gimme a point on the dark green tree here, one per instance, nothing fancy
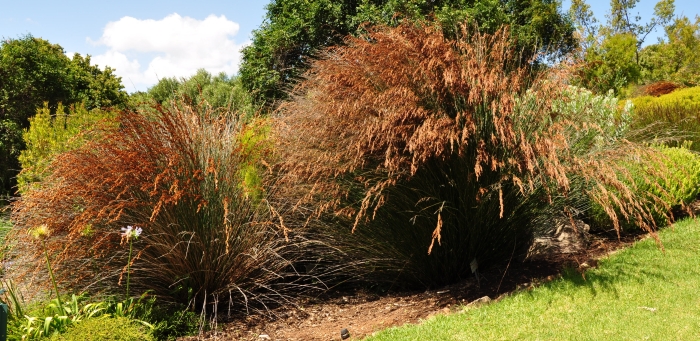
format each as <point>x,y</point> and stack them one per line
<point>34,71</point>
<point>294,30</point>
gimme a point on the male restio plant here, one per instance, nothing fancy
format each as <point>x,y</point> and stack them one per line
<point>425,153</point>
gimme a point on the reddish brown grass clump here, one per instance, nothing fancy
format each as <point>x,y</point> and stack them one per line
<point>182,175</point>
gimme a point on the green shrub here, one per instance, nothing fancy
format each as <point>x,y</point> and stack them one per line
<point>582,105</point>
<point>49,136</point>
<point>173,324</point>
<point>671,118</point>
<point>105,329</point>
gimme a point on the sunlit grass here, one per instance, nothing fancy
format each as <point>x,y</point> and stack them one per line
<point>640,293</point>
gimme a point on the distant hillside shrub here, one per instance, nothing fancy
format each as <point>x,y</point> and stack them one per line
<point>658,88</point>
<point>422,155</point>
<point>219,92</point>
<point>684,97</point>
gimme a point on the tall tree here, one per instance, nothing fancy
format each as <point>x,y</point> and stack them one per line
<point>34,71</point>
<point>621,19</point>
<point>294,30</point>
<point>678,57</point>
<point>585,21</point>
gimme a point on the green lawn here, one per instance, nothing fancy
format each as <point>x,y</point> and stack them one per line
<point>638,293</point>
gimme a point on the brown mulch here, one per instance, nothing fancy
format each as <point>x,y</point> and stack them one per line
<point>363,312</point>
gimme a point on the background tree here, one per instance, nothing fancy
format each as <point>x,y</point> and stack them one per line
<point>678,58</point>
<point>622,20</point>
<point>34,71</point>
<point>294,30</point>
<point>217,92</point>
<point>586,23</point>
<point>611,52</point>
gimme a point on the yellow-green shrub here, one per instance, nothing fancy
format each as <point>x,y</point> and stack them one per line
<point>684,97</point>
<point>105,329</point>
<point>49,135</point>
<point>674,117</point>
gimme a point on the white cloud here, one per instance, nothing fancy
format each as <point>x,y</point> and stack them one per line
<point>174,46</point>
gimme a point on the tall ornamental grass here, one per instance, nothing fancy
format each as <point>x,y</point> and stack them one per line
<point>191,178</point>
<point>433,157</point>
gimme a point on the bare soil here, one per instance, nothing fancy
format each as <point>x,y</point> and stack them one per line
<point>363,312</point>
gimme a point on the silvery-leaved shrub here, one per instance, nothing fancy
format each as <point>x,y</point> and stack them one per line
<point>604,110</point>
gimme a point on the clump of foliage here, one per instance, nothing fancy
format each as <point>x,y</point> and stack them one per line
<point>49,136</point>
<point>435,153</point>
<point>688,97</point>
<point>188,176</point>
<point>294,31</point>
<point>34,71</point>
<point>42,320</point>
<point>106,329</point>
<point>657,89</point>
<point>612,117</point>
<point>674,117</point>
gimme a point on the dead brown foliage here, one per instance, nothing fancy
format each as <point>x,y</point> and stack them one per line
<point>659,88</point>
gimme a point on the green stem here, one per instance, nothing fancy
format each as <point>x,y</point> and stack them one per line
<point>128,268</point>
<point>53,279</point>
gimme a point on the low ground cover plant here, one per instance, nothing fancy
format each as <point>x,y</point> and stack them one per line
<point>673,179</point>
<point>106,329</point>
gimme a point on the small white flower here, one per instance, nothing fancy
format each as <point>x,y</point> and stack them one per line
<point>131,232</point>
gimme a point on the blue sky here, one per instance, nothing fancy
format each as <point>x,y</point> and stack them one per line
<point>147,40</point>
<point>162,39</point>
<point>645,9</point>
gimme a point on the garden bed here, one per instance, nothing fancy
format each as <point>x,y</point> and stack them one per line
<point>364,312</point>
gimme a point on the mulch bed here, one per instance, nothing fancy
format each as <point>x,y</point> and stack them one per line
<point>363,312</point>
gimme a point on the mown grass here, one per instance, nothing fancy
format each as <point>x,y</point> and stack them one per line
<point>639,293</point>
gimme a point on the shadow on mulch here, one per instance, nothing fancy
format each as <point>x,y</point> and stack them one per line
<point>364,312</point>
